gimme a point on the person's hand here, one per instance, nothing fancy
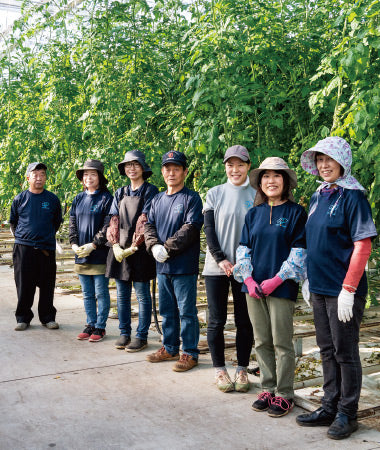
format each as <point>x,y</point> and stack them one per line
<point>345,304</point>
<point>129,251</point>
<point>118,252</point>
<point>268,286</point>
<point>306,292</point>
<point>226,266</point>
<point>159,253</point>
<point>254,290</point>
<point>74,248</point>
<point>85,250</point>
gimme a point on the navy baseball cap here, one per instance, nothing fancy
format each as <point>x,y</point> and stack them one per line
<point>35,166</point>
<point>174,157</point>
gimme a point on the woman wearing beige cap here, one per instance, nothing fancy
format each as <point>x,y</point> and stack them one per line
<point>270,261</point>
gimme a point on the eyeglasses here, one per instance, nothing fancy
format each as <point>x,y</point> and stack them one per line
<point>130,165</point>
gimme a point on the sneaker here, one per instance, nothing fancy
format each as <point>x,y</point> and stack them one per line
<point>86,333</point>
<point>136,345</point>
<point>97,335</point>
<point>123,341</point>
<point>241,381</point>
<point>52,325</point>
<point>263,401</point>
<point>185,362</point>
<point>224,382</point>
<point>21,326</point>
<point>280,406</point>
<point>161,355</point>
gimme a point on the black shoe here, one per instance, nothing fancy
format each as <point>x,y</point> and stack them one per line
<point>263,401</point>
<point>317,418</point>
<point>280,406</point>
<point>342,427</point>
<point>122,342</point>
<point>136,345</point>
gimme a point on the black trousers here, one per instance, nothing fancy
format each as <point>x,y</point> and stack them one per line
<point>34,267</point>
<point>217,288</point>
<point>339,347</point>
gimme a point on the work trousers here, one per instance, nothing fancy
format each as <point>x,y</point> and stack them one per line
<point>339,347</point>
<point>272,320</point>
<point>34,268</point>
<point>217,289</point>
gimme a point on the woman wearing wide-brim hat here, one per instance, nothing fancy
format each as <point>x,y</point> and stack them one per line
<point>128,261</point>
<point>270,260</point>
<point>88,215</point>
<point>339,230</point>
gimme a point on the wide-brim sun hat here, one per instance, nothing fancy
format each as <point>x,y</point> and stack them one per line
<point>92,164</point>
<point>138,156</point>
<point>272,163</point>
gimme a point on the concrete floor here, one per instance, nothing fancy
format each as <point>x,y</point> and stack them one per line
<point>58,392</point>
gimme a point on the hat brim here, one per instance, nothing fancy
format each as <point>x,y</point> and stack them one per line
<point>147,171</point>
<point>255,174</point>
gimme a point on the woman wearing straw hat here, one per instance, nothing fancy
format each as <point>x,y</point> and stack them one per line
<point>338,235</point>
<point>87,217</point>
<point>224,211</point>
<point>270,260</point>
<point>128,261</point>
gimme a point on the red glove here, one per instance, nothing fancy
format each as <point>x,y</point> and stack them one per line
<point>268,286</point>
<point>254,289</point>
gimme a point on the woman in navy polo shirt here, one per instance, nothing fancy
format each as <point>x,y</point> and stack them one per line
<point>87,217</point>
<point>338,234</point>
<point>270,261</point>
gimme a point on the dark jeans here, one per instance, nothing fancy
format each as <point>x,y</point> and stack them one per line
<point>339,346</point>
<point>217,288</point>
<point>32,268</point>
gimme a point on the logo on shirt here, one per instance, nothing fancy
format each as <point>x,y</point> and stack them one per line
<point>178,208</point>
<point>45,205</point>
<point>94,208</point>
<point>248,204</point>
<point>281,222</point>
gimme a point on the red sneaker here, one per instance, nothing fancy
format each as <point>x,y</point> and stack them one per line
<point>86,333</point>
<point>97,335</point>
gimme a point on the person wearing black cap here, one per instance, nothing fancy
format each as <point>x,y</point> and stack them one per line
<point>88,213</point>
<point>172,235</point>
<point>128,261</point>
<point>224,213</point>
<point>36,216</point>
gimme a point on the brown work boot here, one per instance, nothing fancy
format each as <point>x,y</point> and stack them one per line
<point>186,362</point>
<point>161,355</point>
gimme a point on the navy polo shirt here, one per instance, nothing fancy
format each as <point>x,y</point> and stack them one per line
<point>36,218</point>
<point>168,213</point>
<point>270,243</point>
<point>90,211</point>
<point>336,220</point>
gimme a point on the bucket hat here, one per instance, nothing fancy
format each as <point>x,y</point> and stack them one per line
<point>237,151</point>
<point>135,155</point>
<point>92,164</point>
<point>35,166</point>
<point>272,163</point>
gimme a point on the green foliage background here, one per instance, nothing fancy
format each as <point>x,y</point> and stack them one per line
<point>109,76</point>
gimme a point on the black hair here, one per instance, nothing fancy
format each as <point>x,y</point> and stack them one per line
<point>286,187</point>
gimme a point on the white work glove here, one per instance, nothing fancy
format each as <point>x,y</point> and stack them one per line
<point>345,304</point>
<point>75,247</point>
<point>306,292</point>
<point>118,252</point>
<point>85,250</point>
<point>159,253</point>
<point>129,251</point>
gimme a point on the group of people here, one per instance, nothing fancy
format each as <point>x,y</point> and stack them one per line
<point>259,242</point>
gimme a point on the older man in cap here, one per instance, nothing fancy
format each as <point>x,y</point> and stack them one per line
<point>35,218</point>
<point>172,235</point>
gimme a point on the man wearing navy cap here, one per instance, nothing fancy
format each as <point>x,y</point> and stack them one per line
<point>172,235</point>
<point>35,218</point>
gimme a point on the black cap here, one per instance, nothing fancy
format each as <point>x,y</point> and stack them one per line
<point>35,166</point>
<point>138,156</point>
<point>174,157</point>
<point>92,164</point>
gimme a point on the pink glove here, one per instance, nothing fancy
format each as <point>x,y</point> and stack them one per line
<point>254,289</point>
<point>268,286</point>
